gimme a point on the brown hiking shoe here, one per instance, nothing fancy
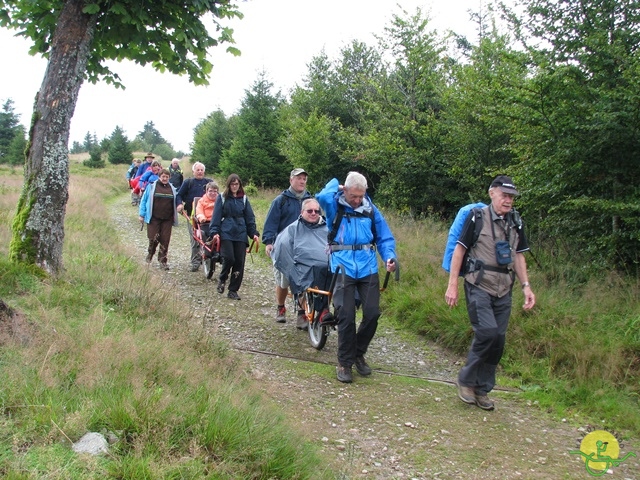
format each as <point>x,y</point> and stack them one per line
<point>466,394</point>
<point>485,402</point>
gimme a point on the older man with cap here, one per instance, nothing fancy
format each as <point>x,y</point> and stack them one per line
<point>495,257</point>
<point>146,165</point>
<point>284,210</point>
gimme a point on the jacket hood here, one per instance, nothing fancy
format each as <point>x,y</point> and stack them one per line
<point>364,208</point>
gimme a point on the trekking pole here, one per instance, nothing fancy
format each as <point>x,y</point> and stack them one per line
<point>535,259</point>
<point>250,249</point>
<point>388,275</point>
<point>386,282</point>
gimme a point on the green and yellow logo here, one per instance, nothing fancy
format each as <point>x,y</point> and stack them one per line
<point>600,451</point>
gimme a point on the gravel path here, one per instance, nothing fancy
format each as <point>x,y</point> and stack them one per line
<point>404,421</point>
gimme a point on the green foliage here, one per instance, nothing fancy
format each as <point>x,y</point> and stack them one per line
<point>211,138</point>
<point>165,35</point>
<point>404,149</point>
<point>253,154</point>
<point>95,160</point>
<point>576,140</point>
<point>10,128</point>
<point>151,140</point>
<point>17,147</point>
<point>76,148</point>
<point>90,142</point>
<point>250,189</point>
<point>307,144</point>
<point>119,149</point>
<point>476,116</point>
<point>150,137</point>
<point>166,151</point>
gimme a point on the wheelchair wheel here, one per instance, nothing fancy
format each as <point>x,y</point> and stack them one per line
<point>318,334</point>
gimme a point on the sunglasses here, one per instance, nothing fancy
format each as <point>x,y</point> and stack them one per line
<point>310,211</point>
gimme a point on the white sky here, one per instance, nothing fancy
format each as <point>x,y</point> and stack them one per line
<point>277,36</point>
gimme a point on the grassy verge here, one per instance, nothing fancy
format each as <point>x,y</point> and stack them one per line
<point>105,348</point>
<point>576,354</point>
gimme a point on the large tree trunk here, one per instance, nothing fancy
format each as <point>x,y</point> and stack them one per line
<point>38,227</point>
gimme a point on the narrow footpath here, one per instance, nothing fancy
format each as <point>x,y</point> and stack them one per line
<point>403,422</point>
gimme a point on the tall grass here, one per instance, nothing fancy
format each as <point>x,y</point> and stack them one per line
<point>576,353</point>
<point>105,348</point>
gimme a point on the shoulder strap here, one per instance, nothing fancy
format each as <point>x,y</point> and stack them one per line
<point>336,224</point>
<point>283,199</point>
<point>341,212</point>
<point>477,224</point>
<point>244,199</point>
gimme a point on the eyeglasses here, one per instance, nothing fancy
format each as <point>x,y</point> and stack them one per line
<point>310,211</point>
<point>234,183</point>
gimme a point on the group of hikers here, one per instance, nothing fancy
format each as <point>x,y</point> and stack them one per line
<point>140,174</point>
<point>338,232</point>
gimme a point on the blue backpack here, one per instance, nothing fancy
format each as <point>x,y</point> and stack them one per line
<point>456,230</point>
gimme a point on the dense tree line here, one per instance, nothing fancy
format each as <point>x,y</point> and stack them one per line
<point>119,148</point>
<point>431,118</point>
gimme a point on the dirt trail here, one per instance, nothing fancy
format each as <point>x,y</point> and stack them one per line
<point>405,421</point>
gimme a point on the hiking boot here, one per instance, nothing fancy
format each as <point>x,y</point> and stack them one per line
<point>164,266</point>
<point>281,315</point>
<point>220,287</point>
<point>233,295</point>
<point>344,374</point>
<point>301,322</point>
<point>485,402</point>
<point>361,366</point>
<point>194,268</point>
<point>149,258</point>
<point>466,394</point>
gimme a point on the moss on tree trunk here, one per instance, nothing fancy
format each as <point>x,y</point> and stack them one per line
<point>38,227</point>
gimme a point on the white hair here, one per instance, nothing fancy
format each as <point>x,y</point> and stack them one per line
<point>357,180</point>
<point>197,164</point>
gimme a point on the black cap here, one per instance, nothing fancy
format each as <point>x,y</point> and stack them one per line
<point>505,184</point>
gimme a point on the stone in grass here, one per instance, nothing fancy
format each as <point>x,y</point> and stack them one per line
<point>93,443</point>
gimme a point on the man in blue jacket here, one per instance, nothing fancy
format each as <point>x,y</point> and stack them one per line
<point>358,229</point>
<point>284,210</point>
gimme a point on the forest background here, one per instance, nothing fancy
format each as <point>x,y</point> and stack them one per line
<point>430,119</point>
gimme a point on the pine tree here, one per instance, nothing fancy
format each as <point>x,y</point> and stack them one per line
<point>16,150</point>
<point>9,122</point>
<point>119,149</point>
<point>95,160</point>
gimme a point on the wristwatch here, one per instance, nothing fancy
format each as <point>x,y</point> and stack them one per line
<point>526,284</point>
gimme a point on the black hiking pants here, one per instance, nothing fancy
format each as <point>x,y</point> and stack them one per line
<point>489,318</point>
<point>354,342</point>
<point>233,256</point>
